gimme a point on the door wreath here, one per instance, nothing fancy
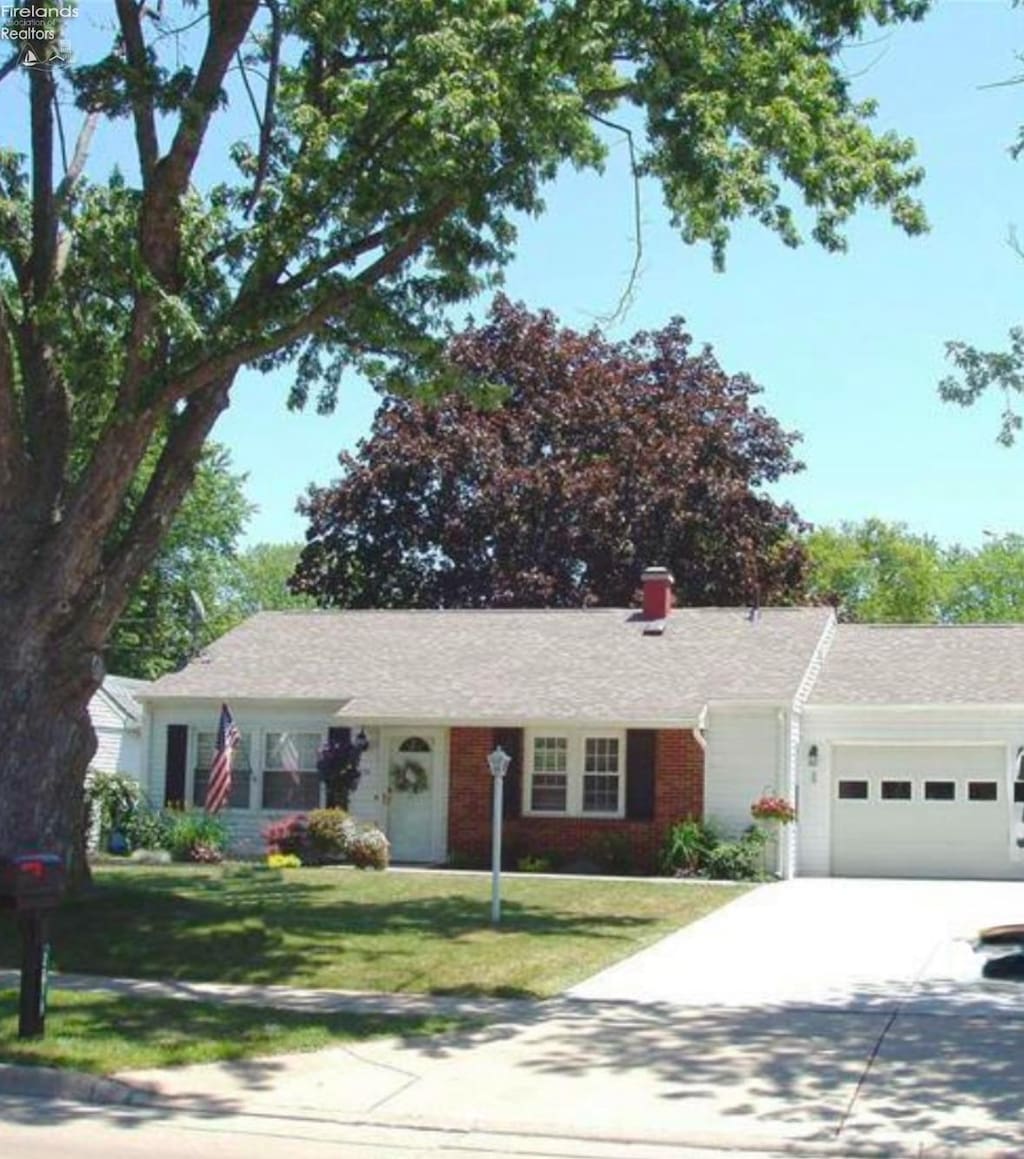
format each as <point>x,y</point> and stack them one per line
<point>409,777</point>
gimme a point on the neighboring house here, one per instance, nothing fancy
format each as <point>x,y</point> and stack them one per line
<point>116,717</point>
<point>618,722</point>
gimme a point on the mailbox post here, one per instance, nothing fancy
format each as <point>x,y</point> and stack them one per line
<point>32,884</point>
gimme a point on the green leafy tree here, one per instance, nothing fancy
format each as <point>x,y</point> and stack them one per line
<point>882,572</point>
<point>877,572</point>
<point>187,597</point>
<point>393,145</point>
<point>986,585</point>
<point>260,582</point>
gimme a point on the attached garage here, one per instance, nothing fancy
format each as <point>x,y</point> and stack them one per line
<point>910,758</point>
<point>920,811</point>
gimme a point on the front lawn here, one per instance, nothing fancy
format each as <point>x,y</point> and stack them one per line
<point>106,1033</point>
<point>350,930</point>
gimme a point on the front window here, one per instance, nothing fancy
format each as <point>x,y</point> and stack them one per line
<point>241,770</point>
<point>290,777</point>
<point>601,775</point>
<point>550,774</point>
<point>573,774</point>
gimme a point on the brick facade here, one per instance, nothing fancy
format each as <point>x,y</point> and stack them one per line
<point>678,792</point>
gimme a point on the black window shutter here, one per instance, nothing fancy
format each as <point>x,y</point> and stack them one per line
<point>511,740</point>
<point>640,744</point>
<point>174,767</point>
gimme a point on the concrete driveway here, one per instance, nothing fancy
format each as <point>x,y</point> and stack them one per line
<point>832,944</point>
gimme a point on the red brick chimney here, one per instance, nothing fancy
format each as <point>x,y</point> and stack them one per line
<point>657,583</point>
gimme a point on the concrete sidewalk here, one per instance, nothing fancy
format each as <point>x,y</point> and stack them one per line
<point>812,1081</point>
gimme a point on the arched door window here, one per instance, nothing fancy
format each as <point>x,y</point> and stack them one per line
<point>415,744</point>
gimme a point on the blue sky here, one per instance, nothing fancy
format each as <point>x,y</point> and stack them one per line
<point>849,348</point>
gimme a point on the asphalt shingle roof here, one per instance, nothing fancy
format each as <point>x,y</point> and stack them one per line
<point>923,664</point>
<point>123,691</point>
<point>504,666</point>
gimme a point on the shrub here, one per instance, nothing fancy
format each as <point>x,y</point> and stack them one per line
<point>687,847</point>
<point>112,798</point>
<point>612,853</point>
<point>328,834</point>
<point>368,848</point>
<point>197,836</point>
<point>283,861</point>
<point>530,864</point>
<point>289,835</point>
<point>149,828</point>
<point>741,860</point>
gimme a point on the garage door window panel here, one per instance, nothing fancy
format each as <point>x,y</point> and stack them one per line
<point>852,791</point>
<point>940,790</point>
<point>983,791</point>
<point>897,791</point>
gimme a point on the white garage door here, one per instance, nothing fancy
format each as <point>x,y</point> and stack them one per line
<point>918,811</point>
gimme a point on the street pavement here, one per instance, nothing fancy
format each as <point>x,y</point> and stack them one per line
<point>811,1017</point>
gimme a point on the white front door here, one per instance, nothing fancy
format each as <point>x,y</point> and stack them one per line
<point>413,768</point>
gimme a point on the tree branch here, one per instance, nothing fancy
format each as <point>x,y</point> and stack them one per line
<point>626,297</point>
<point>168,486</point>
<point>12,448</point>
<point>229,22</point>
<point>44,208</point>
<point>332,304</point>
<point>9,65</point>
<point>67,185</point>
<point>129,16</point>
<point>269,106</point>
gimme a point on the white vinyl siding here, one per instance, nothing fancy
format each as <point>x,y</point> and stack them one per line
<point>745,758</point>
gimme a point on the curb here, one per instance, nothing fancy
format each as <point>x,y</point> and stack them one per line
<point>76,1086</point>
<point>47,1082</point>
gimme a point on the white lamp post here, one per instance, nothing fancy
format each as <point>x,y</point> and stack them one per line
<point>498,763</point>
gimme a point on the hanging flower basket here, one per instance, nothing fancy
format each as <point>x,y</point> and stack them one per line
<point>409,777</point>
<point>770,808</point>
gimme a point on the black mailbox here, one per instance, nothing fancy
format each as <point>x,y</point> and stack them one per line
<point>32,884</point>
<point>32,881</point>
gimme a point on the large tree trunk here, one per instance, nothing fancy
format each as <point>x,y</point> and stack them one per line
<point>46,740</point>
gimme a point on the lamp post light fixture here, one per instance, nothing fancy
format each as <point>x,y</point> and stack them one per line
<point>498,762</point>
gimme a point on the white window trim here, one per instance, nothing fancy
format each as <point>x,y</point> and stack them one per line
<point>259,773</point>
<point>576,745</point>
<point>257,759</point>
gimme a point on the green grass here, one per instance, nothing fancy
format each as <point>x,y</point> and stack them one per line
<point>343,929</point>
<point>106,1033</point>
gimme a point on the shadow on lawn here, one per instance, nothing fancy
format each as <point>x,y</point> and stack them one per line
<point>257,927</point>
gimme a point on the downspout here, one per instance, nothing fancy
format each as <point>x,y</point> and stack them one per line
<point>700,728</point>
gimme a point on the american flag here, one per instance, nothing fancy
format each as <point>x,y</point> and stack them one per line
<point>218,787</point>
<point>289,754</point>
